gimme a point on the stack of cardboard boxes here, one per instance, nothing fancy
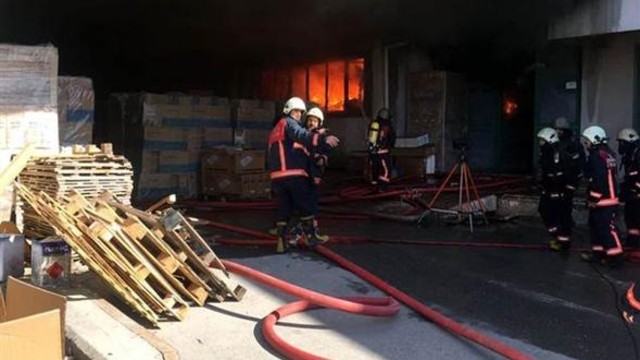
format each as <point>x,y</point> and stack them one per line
<point>254,120</point>
<point>163,136</point>
<point>234,172</point>
<point>28,105</point>
<point>75,110</point>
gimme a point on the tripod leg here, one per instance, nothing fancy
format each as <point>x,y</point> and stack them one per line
<point>460,189</point>
<point>444,184</point>
<point>475,192</point>
<point>465,170</point>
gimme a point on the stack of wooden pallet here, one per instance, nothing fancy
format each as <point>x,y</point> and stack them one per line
<point>155,263</point>
<point>88,170</point>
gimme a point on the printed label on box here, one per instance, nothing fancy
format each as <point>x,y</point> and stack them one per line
<point>212,159</point>
<point>224,183</point>
<point>246,160</point>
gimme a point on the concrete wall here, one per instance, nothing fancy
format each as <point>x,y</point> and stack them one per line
<point>402,61</point>
<point>608,82</point>
<point>594,17</point>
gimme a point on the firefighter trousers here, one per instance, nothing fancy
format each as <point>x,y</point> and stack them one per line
<point>603,231</point>
<point>380,168</point>
<point>556,216</point>
<point>293,194</point>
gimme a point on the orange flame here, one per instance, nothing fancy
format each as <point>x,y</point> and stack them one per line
<point>333,86</point>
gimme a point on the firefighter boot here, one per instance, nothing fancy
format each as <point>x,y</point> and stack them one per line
<point>311,235</point>
<point>282,246</point>
<point>273,231</point>
<point>593,256</point>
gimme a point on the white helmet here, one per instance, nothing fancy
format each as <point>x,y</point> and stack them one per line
<point>383,114</point>
<point>295,103</point>
<point>595,134</point>
<point>628,135</point>
<point>549,135</point>
<point>315,111</point>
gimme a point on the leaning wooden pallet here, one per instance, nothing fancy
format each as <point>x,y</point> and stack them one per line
<point>174,226</point>
<point>90,256</point>
<point>181,276</point>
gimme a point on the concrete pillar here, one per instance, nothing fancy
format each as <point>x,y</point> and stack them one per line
<point>378,82</point>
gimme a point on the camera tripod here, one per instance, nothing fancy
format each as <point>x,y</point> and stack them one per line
<point>466,186</point>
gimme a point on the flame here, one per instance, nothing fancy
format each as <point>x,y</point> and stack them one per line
<point>509,106</point>
<point>332,85</point>
<point>317,84</point>
<point>336,90</point>
<point>356,78</point>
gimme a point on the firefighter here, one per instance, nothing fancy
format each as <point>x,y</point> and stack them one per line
<point>314,119</point>
<point>289,171</point>
<point>381,138</point>
<point>602,199</point>
<point>558,181</point>
<point>318,160</point>
<point>628,148</point>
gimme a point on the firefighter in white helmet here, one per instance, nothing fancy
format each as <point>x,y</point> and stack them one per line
<point>558,182</point>
<point>289,171</point>
<point>602,199</point>
<point>381,138</point>
<point>629,149</point>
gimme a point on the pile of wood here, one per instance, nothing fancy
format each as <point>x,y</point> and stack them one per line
<point>156,263</point>
<point>88,170</point>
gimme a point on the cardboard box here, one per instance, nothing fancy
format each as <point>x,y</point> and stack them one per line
<point>11,251</point>
<point>252,185</point>
<point>75,110</point>
<point>29,76</point>
<point>153,186</point>
<point>177,162</point>
<point>233,160</point>
<point>256,138</point>
<point>19,126</point>
<point>217,137</point>
<point>31,322</point>
<point>160,139</point>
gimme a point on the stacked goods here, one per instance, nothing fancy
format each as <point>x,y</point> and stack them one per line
<point>437,106</point>
<point>88,173</point>
<point>163,136</point>
<point>254,120</point>
<point>235,172</point>
<point>155,263</point>
<point>75,110</point>
<point>28,102</point>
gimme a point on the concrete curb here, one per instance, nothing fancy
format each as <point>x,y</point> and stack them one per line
<point>96,330</point>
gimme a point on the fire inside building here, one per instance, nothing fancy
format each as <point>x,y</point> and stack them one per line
<point>400,179</point>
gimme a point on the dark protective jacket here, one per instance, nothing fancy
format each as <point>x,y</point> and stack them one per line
<point>559,178</point>
<point>283,159</point>
<point>575,150</point>
<point>381,136</point>
<point>631,164</point>
<point>602,176</point>
<point>317,158</point>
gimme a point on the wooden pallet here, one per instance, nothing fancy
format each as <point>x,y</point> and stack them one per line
<point>182,237</point>
<point>89,170</point>
<point>153,269</point>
